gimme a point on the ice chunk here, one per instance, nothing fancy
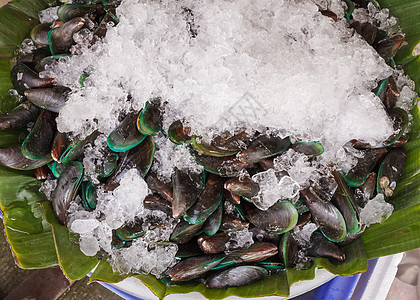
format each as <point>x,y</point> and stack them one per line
<point>303,235</point>
<point>84,226</point>
<point>48,15</point>
<point>376,210</point>
<point>288,188</point>
<point>269,192</point>
<point>239,240</point>
<point>88,245</point>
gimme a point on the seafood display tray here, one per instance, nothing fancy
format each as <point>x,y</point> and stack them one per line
<point>374,284</point>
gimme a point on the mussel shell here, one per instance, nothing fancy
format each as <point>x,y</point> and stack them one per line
<point>289,250</point>
<point>23,79</point>
<point>228,166</point>
<point>366,191</point>
<point>76,149</point>
<point>230,223</point>
<point>237,276</point>
<point>131,231</point>
<point>139,157</point>
<point>39,33</point>
<point>89,195</point>
<point>125,136</point>
<point>208,201</point>
<point>279,218</point>
<point>12,157</point>
<point>60,38</point>
<point>213,244</point>
<point>60,144</point>
<point>41,173</point>
<point>258,251</point>
<point>184,232</point>
<point>39,141</point>
<point>189,249</point>
<point>57,168</point>
<point>344,200</point>
<point>231,197</point>
<point>32,58</point>
<point>326,215</point>
<point>158,186</point>
<point>68,12</point>
<point>46,61</point>
<point>20,116</point>
<point>213,222</point>
<point>264,147</point>
<point>178,133</point>
<point>187,186</point>
<point>64,193</point>
<point>108,166</point>
<point>309,148</point>
<point>358,174</point>
<point>400,121</point>
<point>194,267</point>
<point>243,187</point>
<point>388,47</point>
<point>391,168</point>
<point>150,118</point>
<point>366,30</point>
<point>321,247</point>
<point>352,236</point>
<point>52,99</point>
<point>155,202</point>
<point>210,149</point>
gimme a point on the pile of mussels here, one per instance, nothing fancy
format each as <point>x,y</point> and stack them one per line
<point>198,199</point>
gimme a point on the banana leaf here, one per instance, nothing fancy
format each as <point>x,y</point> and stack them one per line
<point>36,244</point>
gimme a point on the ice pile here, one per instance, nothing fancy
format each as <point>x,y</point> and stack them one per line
<point>116,209</point>
<point>280,64</point>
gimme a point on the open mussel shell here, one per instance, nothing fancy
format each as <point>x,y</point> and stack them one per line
<point>209,199</point>
<point>150,118</point>
<point>184,232</point>
<point>188,250</point>
<point>125,136</point>
<point>358,174</point>
<point>89,195</point>
<point>309,148</point>
<point>39,141</point>
<point>76,149</point>
<point>68,12</point>
<point>264,147</point>
<point>322,247</point>
<point>131,231</point>
<point>41,173</point>
<point>228,166</point>
<point>237,276</point>
<point>243,187</point>
<point>20,116</point>
<point>194,267</point>
<point>213,222</point>
<point>160,187</point>
<point>139,157</point>
<point>60,38</point>
<point>279,218</point>
<point>344,200</point>
<point>326,215</point>
<point>39,33</point>
<point>23,78</point>
<point>52,99</point>
<point>390,171</point>
<point>67,186</point>
<point>187,186</point>
<point>289,250</point>
<point>257,252</point>
<point>213,244</point>
<point>178,133</point>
